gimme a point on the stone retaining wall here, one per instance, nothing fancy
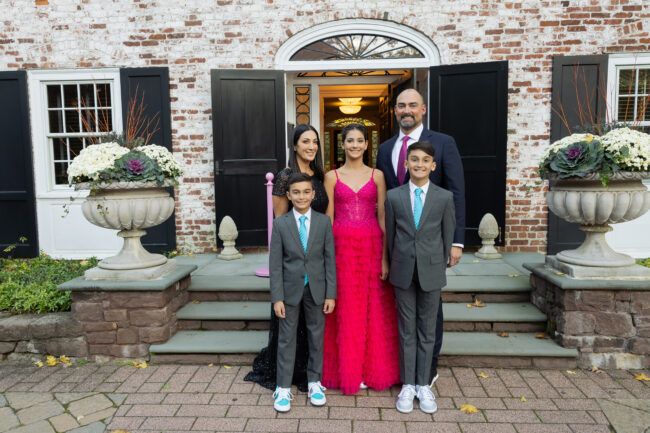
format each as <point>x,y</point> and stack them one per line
<point>122,324</point>
<point>54,334</point>
<point>609,327</point>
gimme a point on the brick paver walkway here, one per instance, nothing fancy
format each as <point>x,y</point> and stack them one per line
<point>95,398</point>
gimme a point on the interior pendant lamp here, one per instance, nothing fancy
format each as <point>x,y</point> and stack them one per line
<point>350,105</point>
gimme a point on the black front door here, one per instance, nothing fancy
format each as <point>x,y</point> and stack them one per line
<point>470,103</point>
<point>248,125</point>
<point>17,205</point>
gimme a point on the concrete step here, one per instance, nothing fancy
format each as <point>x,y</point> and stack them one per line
<point>475,349</point>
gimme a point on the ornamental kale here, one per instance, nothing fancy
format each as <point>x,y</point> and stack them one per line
<point>579,159</point>
<point>133,166</point>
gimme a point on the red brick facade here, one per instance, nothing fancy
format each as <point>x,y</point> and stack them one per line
<point>195,36</point>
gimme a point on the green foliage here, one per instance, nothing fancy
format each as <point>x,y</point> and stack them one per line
<point>133,166</point>
<point>29,285</point>
<point>579,159</point>
<point>120,138</point>
<point>644,262</point>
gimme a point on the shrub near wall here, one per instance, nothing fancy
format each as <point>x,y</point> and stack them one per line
<point>28,286</point>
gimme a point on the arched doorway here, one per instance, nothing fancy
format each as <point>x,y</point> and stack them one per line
<point>368,62</point>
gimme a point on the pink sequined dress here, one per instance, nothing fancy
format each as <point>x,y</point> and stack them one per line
<point>361,340</point>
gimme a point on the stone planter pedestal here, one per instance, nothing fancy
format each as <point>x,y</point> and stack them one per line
<point>121,319</point>
<point>606,320</point>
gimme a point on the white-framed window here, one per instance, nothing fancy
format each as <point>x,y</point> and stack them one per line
<point>628,88</point>
<point>68,108</point>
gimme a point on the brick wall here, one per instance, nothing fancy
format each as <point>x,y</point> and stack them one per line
<point>194,36</point>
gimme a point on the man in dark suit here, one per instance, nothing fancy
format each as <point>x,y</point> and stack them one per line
<point>409,110</point>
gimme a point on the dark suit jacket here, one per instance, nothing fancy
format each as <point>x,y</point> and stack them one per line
<point>428,246</point>
<point>288,261</point>
<point>448,173</point>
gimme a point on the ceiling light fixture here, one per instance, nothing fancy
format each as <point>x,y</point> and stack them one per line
<point>350,105</point>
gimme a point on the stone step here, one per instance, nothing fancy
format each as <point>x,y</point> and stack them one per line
<point>474,349</point>
<point>460,288</point>
<point>453,312</point>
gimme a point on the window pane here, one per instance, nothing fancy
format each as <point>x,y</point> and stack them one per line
<point>56,121</point>
<point>76,145</point>
<point>60,149</point>
<point>644,81</point>
<point>71,121</point>
<point>87,92</point>
<point>103,95</point>
<point>88,120</point>
<point>54,96</point>
<point>626,81</point>
<point>105,120</point>
<point>626,108</point>
<point>61,173</point>
<point>70,95</point>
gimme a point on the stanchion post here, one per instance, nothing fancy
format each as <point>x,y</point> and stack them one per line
<point>264,271</point>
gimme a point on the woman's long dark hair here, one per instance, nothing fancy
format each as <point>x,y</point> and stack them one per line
<point>351,127</point>
<point>317,164</point>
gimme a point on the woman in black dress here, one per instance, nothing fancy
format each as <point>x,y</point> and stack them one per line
<point>305,158</point>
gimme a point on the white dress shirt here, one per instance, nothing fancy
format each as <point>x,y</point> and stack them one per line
<point>413,137</point>
<point>297,216</point>
<point>423,195</point>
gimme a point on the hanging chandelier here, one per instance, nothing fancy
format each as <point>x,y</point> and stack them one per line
<point>350,105</point>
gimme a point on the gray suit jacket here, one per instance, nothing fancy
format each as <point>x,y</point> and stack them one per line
<point>288,262</point>
<point>428,246</point>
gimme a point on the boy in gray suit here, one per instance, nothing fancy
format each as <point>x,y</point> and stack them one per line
<point>420,227</point>
<point>302,267</point>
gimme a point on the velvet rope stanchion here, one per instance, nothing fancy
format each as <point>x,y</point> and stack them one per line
<point>264,271</point>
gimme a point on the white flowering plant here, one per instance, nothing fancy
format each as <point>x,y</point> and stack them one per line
<point>579,155</point>
<point>107,162</point>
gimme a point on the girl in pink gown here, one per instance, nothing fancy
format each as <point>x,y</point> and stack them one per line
<point>361,341</point>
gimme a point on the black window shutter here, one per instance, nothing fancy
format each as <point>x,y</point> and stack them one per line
<point>577,81</point>
<point>470,103</point>
<point>151,85</point>
<point>249,128</point>
<point>17,202</point>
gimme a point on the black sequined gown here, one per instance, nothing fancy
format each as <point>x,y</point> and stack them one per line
<point>264,365</point>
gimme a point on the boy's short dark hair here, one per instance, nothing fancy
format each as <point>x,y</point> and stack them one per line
<point>424,146</point>
<point>299,177</point>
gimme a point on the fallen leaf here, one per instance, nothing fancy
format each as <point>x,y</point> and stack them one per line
<point>475,261</point>
<point>523,399</point>
<point>51,361</point>
<point>190,254</point>
<point>83,262</point>
<point>541,336</point>
<point>39,364</point>
<point>121,431</point>
<point>642,377</point>
<point>196,302</point>
<point>513,275</point>
<point>468,408</point>
<point>64,359</point>
<point>594,368</point>
<point>483,375</point>
<point>80,417</point>
<point>469,305</point>
<point>478,303</point>
<point>142,364</point>
<point>227,367</point>
<point>211,364</point>
<point>166,386</point>
<point>503,334</point>
<point>245,306</point>
<point>571,372</point>
<point>560,273</point>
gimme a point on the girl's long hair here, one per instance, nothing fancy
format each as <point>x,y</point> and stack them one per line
<point>317,164</point>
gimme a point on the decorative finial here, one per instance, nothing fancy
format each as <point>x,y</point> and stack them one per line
<point>228,233</point>
<point>488,230</point>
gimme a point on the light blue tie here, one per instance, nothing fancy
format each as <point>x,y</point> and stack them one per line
<point>302,231</point>
<point>417,207</point>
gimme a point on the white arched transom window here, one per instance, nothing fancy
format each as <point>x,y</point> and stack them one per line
<point>357,44</point>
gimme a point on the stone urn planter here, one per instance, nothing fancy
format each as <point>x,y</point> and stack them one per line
<point>129,207</point>
<point>595,207</point>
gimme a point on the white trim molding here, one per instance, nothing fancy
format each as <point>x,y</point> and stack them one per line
<point>357,26</point>
<point>615,63</point>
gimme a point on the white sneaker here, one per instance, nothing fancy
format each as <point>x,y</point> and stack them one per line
<point>283,399</point>
<point>316,393</point>
<point>405,399</point>
<point>363,386</point>
<point>426,398</point>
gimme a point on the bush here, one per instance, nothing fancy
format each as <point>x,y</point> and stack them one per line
<point>29,285</point>
<point>644,262</point>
